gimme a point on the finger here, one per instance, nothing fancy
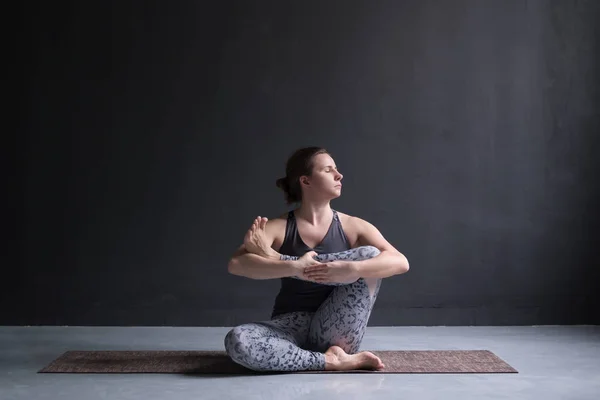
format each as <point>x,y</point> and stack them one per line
<point>313,268</point>
<point>316,275</point>
<point>318,270</point>
<point>318,264</point>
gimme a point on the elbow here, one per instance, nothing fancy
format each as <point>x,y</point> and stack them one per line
<point>404,266</point>
<point>233,266</point>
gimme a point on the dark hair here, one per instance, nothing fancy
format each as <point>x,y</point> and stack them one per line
<point>300,163</point>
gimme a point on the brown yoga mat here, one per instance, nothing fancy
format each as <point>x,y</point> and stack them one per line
<point>217,362</point>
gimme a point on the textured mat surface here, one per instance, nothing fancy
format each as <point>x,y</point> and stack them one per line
<point>217,362</point>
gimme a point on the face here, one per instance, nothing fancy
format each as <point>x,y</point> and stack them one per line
<point>326,180</point>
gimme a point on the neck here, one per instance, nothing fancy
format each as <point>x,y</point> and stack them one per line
<point>315,213</point>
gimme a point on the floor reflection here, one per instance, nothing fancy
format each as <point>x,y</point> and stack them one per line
<point>350,386</point>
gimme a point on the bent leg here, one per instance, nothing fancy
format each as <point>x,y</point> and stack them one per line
<point>274,345</point>
<point>342,318</point>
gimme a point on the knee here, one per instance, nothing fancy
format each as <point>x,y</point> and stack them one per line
<point>233,341</point>
<point>238,348</point>
<point>366,252</point>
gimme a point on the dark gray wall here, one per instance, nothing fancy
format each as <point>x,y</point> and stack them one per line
<point>467,132</point>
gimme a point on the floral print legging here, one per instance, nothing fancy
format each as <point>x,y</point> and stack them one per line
<point>296,341</point>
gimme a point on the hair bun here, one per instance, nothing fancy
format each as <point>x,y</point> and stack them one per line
<point>283,183</point>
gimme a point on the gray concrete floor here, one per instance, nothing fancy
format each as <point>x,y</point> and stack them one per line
<point>554,362</point>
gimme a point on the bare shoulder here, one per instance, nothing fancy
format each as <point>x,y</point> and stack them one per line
<point>351,222</point>
<point>275,224</point>
<point>352,227</point>
<point>275,229</point>
<point>363,233</point>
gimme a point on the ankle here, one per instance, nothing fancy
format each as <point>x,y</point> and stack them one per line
<point>331,361</point>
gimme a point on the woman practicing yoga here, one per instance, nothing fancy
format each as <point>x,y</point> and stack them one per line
<point>330,265</point>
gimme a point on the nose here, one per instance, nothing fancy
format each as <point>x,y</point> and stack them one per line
<point>339,176</point>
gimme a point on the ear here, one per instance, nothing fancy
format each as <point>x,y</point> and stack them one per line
<point>304,180</point>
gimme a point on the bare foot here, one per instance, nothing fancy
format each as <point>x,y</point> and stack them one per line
<point>336,359</point>
<point>255,242</point>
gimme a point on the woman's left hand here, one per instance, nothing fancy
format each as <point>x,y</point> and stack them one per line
<point>332,272</point>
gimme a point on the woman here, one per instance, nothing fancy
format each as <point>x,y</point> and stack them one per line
<point>330,265</point>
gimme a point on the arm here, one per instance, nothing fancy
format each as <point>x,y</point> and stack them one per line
<point>253,266</point>
<point>258,267</point>
<point>388,263</point>
<point>263,264</point>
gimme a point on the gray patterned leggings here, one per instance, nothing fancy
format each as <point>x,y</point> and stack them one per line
<point>296,341</point>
